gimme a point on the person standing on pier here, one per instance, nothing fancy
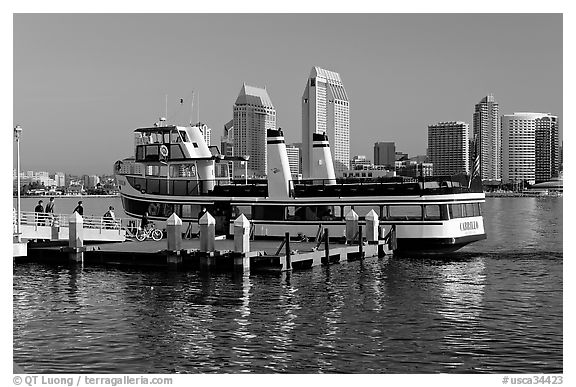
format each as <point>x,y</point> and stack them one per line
<point>110,218</point>
<point>50,210</point>
<point>145,221</point>
<point>39,210</point>
<point>79,209</point>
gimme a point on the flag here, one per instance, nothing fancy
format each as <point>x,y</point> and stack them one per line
<point>475,161</point>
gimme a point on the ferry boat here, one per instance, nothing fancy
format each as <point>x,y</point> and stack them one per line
<point>174,171</point>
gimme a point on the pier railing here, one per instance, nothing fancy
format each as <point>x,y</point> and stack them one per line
<point>28,218</point>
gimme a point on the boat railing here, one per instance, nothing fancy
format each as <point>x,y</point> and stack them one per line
<point>396,185</point>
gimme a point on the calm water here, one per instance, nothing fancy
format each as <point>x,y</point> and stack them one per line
<point>495,308</point>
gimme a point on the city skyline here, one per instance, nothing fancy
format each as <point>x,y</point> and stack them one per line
<point>83,94</point>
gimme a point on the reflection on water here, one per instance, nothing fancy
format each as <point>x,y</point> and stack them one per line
<point>492,310</point>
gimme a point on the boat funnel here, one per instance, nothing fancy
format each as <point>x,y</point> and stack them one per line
<point>322,166</point>
<point>199,150</point>
<point>279,177</point>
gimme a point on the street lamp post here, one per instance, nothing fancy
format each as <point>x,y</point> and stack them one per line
<point>17,133</point>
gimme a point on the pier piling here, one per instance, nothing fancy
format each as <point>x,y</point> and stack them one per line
<point>351,226</point>
<point>76,238</point>
<point>327,246</point>
<point>372,227</point>
<point>174,240</point>
<point>241,244</point>
<point>288,252</point>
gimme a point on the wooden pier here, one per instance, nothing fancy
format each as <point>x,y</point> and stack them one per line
<point>209,253</point>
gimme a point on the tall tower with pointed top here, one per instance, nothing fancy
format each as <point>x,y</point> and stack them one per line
<point>254,114</point>
<point>326,110</point>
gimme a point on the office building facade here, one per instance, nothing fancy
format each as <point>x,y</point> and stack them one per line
<point>448,147</point>
<point>547,146</point>
<point>519,146</point>
<point>254,114</point>
<point>385,154</point>
<point>326,110</point>
<point>487,133</point>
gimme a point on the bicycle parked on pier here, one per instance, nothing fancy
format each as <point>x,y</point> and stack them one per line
<point>149,232</point>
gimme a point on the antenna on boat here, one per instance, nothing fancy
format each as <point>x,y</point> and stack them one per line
<point>198,111</point>
<point>166,106</point>
<point>192,108</point>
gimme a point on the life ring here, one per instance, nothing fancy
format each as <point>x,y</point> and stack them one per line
<point>164,150</point>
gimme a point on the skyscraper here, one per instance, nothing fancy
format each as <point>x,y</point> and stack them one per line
<point>547,148</point>
<point>486,130</point>
<point>326,110</point>
<point>385,154</point>
<point>254,114</point>
<point>293,160</point>
<point>448,147</point>
<point>519,145</point>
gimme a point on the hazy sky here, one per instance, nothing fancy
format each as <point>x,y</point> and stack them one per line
<point>84,82</point>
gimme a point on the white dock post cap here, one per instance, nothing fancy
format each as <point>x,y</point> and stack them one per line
<point>372,215</point>
<point>207,219</point>
<point>75,218</point>
<point>242,221</point>
<point>351,215</point>
<point>174,220</point>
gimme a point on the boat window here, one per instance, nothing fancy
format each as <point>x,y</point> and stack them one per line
<point>166,138</point>
<point>456,211</point>
<point>444,211</point>
<point>153,186</point>
<point>290,213</point>
<point>153,209</point>
<point>477,211</point>
<point>432,212</point>
<point>175,138</point>
<point>139,152</point>
<point>269,212</point>
<point>180,187</point>
<point>407,212</point>
<point>469,209</point>
<point>184,136</point>
<point>337,212</point>
<point>176,152</point>
<point>195,144</point>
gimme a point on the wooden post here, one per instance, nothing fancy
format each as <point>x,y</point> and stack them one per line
<point>174,239</point>
<point>360,242</point>
<point>372,227</point>
<point>207,233</point>
<point>288,252</point>
<point>242,234</point>
<point>326,246</point>
<point>380,245</point>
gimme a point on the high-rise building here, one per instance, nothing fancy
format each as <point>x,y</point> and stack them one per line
<point>486,131</point>
<point>293,153</point>
<point>254,114</point>
<point>519,146</point>
<point>326,110</point>
<point>448,147</point>
<point>300,151</point>
<point>385,154</point>
<point>547,148</point>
